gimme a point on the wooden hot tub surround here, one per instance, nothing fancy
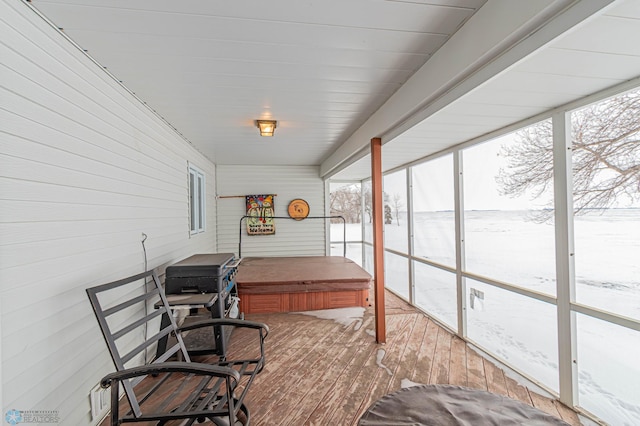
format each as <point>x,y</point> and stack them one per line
<point>304,283</point>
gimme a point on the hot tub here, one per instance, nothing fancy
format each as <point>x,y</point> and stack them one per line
<point>304,283</point>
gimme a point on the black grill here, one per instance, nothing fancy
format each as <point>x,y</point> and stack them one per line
<point>202,273</point>
<point>211,274</point>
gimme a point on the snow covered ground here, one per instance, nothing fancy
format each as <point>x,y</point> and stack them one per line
<point>507,246</point>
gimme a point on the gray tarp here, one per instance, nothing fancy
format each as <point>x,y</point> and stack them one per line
<point>444,405</point>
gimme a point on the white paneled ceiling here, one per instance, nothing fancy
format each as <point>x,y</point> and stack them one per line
<point>322,69</point>
<point>211,68</point>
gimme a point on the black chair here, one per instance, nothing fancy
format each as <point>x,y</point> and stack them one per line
<point>172,389</point>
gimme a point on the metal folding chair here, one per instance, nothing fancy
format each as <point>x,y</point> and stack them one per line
<point>170,390</point>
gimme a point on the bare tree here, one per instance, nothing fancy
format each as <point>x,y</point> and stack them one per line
<point>346,202</point>
<point>397,205</point>
<point>605,154</point>
<point>368,201</point>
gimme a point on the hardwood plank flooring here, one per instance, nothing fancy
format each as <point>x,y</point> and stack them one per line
<point>341,370</point>
<point>328,371</point>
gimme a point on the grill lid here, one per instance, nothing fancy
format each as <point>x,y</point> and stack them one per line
<point>200,265</point>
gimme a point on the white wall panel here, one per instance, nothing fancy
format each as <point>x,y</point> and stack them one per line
<point>85,169</point>
<point>292,238</point>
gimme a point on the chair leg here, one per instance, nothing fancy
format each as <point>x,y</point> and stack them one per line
<point>243,415</point>
<point>243,418</point>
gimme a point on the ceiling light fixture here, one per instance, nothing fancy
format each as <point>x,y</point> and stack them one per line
<point>267,127</point>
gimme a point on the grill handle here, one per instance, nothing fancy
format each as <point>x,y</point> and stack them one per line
<point>235,263</point>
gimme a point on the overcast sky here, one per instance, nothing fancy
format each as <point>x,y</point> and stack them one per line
<point>433,182</point>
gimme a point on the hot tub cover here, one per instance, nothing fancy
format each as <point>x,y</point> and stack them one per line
<point>263,275</point>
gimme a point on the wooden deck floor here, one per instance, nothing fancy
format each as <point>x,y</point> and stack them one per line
<point>327,371</point>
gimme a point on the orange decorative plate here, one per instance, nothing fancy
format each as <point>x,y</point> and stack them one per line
<point>298,209</point>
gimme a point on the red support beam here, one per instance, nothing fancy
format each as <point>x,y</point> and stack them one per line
<point>378,239</point>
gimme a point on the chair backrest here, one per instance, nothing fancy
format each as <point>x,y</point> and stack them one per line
<point>127,317</point>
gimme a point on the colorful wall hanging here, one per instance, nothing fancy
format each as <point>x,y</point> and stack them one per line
<point>260,210</point>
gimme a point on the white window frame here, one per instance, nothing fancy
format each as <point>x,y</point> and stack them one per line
<point>197,200</point>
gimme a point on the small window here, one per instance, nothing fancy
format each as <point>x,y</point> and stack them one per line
<point>197,202</point>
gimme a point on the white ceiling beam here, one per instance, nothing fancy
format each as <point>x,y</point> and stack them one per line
<point>499,35</point>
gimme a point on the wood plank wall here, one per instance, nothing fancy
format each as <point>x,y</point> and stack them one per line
<point>292,238</point>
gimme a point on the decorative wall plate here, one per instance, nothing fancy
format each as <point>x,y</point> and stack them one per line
<point>298,209</point>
